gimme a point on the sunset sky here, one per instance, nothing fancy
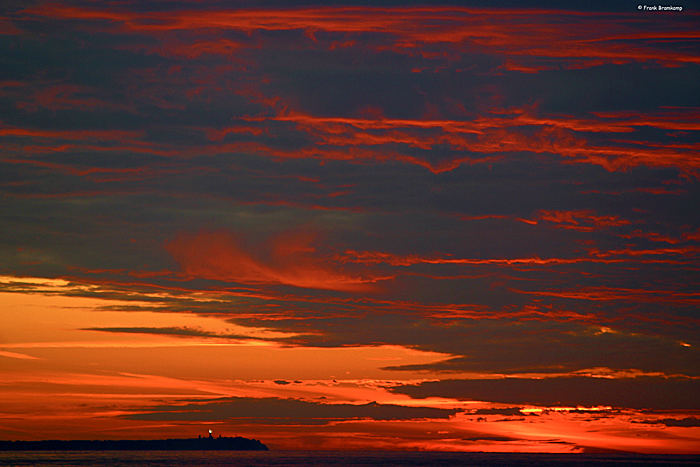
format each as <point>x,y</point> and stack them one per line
<point>465,226</point>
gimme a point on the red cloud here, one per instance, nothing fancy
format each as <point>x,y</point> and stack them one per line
<point>596,256</point>
<point>584,220</point>
<point>289,259</point>
<point>619,293</point>
<point>503,132</point>
<point>578,39</point>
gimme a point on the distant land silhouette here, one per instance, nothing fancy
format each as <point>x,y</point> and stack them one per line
<point>188,444</point>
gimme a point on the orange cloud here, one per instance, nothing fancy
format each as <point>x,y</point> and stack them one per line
<point>20,356</point>
<point>361,140</point>
<point>289,259</point>
<point>342,138</point>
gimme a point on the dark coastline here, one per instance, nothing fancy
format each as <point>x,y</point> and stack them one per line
<point>188,444</point>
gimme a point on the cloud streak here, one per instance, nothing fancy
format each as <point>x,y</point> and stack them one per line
<point>639,393</point>
<point>289,411</point>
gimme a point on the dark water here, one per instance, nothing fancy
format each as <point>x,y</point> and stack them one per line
<point>320,458</point>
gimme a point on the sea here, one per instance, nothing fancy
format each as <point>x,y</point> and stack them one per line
<point>326,458</point>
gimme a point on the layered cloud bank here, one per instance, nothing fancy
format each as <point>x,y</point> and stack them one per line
<point>439,227</point>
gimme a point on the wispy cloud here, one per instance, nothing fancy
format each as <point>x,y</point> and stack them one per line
<point>290,259</point>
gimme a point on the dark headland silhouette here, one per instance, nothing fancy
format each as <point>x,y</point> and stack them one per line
<point>209,443</point>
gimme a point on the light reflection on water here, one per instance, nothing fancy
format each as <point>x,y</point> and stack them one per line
<point>325,458</point>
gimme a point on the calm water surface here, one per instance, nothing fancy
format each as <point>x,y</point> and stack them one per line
<point>324,458</point>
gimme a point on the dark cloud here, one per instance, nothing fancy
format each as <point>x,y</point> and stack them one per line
<point>288,411</point>
<point>681,422</point>
<point>504,411</point>
<point>637,393</point>
<point>500,344</point>
<point>171,331</point>
<point>491,438</point>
